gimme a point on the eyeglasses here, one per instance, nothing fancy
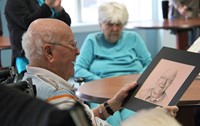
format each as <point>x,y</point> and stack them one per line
<point>72,44</point>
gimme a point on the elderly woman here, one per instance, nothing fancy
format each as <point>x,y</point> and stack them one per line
<point>113,51</point>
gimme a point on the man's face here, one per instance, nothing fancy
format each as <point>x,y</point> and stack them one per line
<point>65,56</point>
<point>112,32</point>
<point>163,83</point>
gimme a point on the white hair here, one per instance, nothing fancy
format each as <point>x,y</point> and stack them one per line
<point>170,73</point>
<point>113,12</point>
<point>152,117</point>
<point>34,39</point>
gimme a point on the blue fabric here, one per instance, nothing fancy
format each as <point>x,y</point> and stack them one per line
<point>21,63</point>
<point>40,2</point>
<point>101,59</point>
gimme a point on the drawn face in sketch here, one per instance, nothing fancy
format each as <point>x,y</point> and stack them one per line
<point>165,81</point>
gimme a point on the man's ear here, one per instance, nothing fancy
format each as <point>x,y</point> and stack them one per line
<point>47,51</point>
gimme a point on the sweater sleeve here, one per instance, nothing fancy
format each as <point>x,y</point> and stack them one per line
<point>142,52</point>
<point>85,59</point>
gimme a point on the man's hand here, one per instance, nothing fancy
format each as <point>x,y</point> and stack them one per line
<point>118,99</point>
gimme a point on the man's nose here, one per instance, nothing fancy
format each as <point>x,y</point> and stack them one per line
<point>77,51</point>
<point>164,82</point>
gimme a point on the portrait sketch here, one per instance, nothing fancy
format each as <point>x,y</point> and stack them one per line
<point>164,81</point>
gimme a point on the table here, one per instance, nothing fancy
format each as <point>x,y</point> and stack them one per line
<point>101,90</point>
<point>181,25</point>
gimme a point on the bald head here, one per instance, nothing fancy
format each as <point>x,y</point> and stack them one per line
<point>43,31</point>
<point>48,24</point>
<point>170,73</point>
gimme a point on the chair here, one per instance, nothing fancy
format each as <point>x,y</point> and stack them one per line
<point>18,109</point>
<point>8,75</point>
<point>24,86</point>
<point>79,80</point>
<point>77,115</point>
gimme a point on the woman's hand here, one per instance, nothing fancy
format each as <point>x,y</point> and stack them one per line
<point>183,10</point>
<point>56,4</point>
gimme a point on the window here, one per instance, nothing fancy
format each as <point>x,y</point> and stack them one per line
<point>135,9</point>
<point>85,11</point>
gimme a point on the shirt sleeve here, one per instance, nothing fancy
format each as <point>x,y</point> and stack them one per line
<point>62,99</point>
<point>85,59</point>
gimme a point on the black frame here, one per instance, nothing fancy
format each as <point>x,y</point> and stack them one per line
<point>171,54</point>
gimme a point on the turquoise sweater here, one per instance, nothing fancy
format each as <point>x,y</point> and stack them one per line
<point>100,59</point>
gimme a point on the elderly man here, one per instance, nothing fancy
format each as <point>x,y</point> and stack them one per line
<point>50,47</point>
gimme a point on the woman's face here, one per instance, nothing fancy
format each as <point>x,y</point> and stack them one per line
<point>111,31</point>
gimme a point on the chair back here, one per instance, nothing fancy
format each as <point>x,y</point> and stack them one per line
<point>24,86</point>
<point>8,75</point>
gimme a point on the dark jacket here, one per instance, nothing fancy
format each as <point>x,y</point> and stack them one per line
<point>19,14</point>
<point>19,109</point>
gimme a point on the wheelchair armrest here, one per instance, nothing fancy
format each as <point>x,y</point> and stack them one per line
<point>8,75</point>
<point>24,86</point>
<point>79,80</point>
